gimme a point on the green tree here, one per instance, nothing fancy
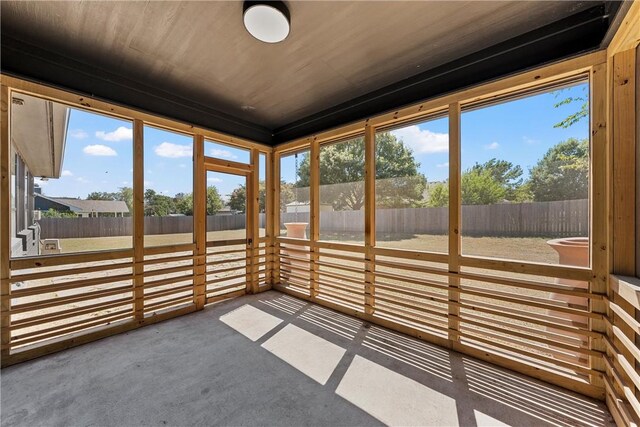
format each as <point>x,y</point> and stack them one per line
<point>214,201</point>
<point>102,195</point>
<point>562,173</point>
<point>184,204</point>
<point>287,195</point>
<point>399,183</point>
<point>125,194</point>
<point>53,213</point>
<point>238,199</point>
<point>157,204</point>
<point>478,186</point>
<point>581,113</point>
<point>503,172</point>
<point>439,195</point>
<point>262,197</point>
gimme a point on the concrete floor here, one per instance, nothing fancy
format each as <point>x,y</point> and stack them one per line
<point>271,359</point>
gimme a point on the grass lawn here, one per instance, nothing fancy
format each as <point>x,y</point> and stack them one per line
<point>126,242</point>
<point>530,249</point>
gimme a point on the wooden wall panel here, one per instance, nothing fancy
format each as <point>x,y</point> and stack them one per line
<point>624,104</point>
<point>5,226</point>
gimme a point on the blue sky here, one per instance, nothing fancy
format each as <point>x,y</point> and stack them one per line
<point>99,157</point>
<point>519,131</point>
<point>99,149</point>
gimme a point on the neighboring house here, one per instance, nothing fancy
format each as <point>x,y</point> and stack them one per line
<point>226,211</point>
<point>38,135</point>
<point>300,207</point>
<point>82,208</point>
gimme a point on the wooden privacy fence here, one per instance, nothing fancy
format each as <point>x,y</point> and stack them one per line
<point>70,228</point>
<point>565,218</point>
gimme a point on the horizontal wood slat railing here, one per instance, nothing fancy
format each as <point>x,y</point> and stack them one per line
<point>518,319</point>
<point>622,359</point>
<point>64,300</point>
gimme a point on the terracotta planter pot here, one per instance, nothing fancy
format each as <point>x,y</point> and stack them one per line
<point>571,251</point>
<point>296,230</point>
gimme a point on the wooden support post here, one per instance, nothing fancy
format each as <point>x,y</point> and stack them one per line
<point>600,209</point>
<point>5,224</point>
<point>623,187</point>
<point>138,218</point>
<point>269,215</point>
<point>248,212</point>
<point>253,232</point>
<point>199,223</point>
<point>274,193</point>
<point>455,221</point>
<point>623,145</point>
<point>314,229</point>
<point>369,218</point>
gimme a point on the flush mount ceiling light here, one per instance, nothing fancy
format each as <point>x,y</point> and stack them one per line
<point>268,21</point>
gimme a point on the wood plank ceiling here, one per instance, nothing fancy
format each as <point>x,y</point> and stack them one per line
<point>200,51</point>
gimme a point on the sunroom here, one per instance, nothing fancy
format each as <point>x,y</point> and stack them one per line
<point>320,213</point>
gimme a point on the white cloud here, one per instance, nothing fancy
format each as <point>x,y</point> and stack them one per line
<point>66,173</point>
<point>99,150</point>
<point>78,134</point>
<point>182,165</point>
<point>41,182</point>
<point>82,180</point>
<point>443,165</point>
<point>225,154</point>
<point>423,140</point>
<point>167,149</point>
<point>148,183</point>
<point>120,134</point>
<point>493,146</point>
<point>214,180</point>
<point>530,141</point>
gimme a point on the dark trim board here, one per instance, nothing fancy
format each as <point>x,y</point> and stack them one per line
<point>38,64</point>
<point>576,34</point>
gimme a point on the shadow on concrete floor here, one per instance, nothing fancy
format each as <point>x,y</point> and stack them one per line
<point>271,359</point>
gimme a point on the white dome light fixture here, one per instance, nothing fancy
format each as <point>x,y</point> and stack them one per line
<point>268,21</point>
